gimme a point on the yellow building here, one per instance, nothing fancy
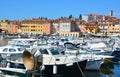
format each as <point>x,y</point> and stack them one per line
<point>92,28</point>
<point>35,26</point>
<point>6,25</point>
<point>113,28</point>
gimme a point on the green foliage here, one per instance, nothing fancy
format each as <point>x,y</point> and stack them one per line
<point>80,17</point>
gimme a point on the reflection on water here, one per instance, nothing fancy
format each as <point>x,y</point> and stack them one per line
<point>116,72</point>
<point>92,74</point>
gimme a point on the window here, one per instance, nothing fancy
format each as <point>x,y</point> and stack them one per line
<point>12,50</point>
<point>21,49</point>
<point>54,51</point>
<point>43,51</point>
<point>5,49</point>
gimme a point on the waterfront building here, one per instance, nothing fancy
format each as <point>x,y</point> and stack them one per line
<point>81,27</point>
<point>114,29</point>
<point>103,26</point>
<point>55,26</point>
<point>6,26</point>
<point>10,27</point>
<point>91,17</point>
<point>85,18</point>
<point>67,27</point>
<point>97,17</point>
<point>48,27</point>
<point>92,28</point>
<point>36,26</point>
<point>16,27</point>
<point>70,34</point>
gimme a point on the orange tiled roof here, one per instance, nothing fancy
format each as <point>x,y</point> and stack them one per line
<point>95,15</point>
<point>55,21</point>
<point>33,20</point>
<point>82,29</point>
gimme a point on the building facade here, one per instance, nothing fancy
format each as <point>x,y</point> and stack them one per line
<point>6,26</point>
<point>55,26</point>
<point>103,26</point>
<point>114,28</point>
<point>92,28</point>
<point>16,27</point>
<point>68,27</point>
<point>65,25</point>
<point>48,27</point>
<point>36,26</point>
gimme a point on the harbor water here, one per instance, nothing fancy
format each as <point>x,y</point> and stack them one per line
<point>116,69</point>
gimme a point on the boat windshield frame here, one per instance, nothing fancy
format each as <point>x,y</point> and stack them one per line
<point>49,51</point>
<point>54,51</point>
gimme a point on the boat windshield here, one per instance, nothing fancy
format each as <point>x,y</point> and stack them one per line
<point>64,40</point>
<point>54,51</point>
<point>21,49</point>
<point>43,51</point>
<point>17,55</point>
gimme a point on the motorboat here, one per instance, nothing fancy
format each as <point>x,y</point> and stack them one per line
<point>8,50</point>
<point>13,65</point>
<point>53,62</point>
<point>95,58</point>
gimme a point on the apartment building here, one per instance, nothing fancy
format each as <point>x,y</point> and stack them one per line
<point>36,26</point>
<point>92,28</point>
<point>6,26</point>
<point>114,28</point>
<point>92,17</point>
<point>67,27</point>
<point>103,26</point>
<point>81,27</point>
<point>55,26</point>
<point>16,27</point>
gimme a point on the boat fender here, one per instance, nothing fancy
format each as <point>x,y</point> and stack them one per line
<point>8,65</point>
<point>43,67</point>
<point>69,64</point>
<point>54,69</point>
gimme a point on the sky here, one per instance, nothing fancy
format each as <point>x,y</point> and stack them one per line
<point>52,9</point>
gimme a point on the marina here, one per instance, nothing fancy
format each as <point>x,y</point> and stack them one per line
<point>60,61</point>
<point>65,38</point>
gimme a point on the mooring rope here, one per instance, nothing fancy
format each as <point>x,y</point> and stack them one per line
<point>81,70</point>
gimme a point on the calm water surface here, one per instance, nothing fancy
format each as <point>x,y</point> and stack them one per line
<point>116,69</point>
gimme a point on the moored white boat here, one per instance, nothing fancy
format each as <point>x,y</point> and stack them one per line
<point>53,62</point>
<point>95,58</point>
<point>8,50</point>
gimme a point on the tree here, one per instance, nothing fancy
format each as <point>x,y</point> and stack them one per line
<point>80,17</point>
<point>70,16</point>
<point>61,17</point>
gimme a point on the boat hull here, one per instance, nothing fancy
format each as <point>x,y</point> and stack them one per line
<point>13,71</point>
<point>72,69</point>
<point>93,65</point>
